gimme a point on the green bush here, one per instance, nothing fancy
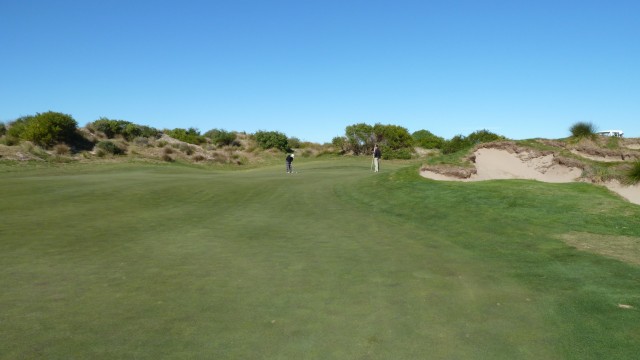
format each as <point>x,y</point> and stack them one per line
<point>360,138</point>
<point>221,137</point>
<point>191,135</point>
<point>10,140</point>
<point>455,144</point>
<point>425,139</point>
<point>112,128</point>
<point>582,130</point>
<point>388,153</point>
<point>16,127</point>
<point>272,140</point>
<point>109,147</point>
<point>50,128</point>
<point>294,143</point>
<point>483,136</point>
<point>3,129</point>
<point>340,142</point>
<point>460,142</point>
<point>633,175</point>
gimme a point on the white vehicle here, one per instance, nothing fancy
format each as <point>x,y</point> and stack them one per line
<point>616,133</point>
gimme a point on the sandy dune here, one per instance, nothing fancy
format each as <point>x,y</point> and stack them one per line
<point>495,164</point>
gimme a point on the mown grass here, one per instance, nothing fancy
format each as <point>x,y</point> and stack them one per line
<point>335,262</point>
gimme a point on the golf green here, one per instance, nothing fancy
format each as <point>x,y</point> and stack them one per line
<point>145,261</point>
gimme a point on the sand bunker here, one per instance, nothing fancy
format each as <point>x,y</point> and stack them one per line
<point>496,164</point>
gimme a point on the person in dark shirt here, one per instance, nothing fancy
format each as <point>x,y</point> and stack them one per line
<point>377,154</point>
<point>289,160</point>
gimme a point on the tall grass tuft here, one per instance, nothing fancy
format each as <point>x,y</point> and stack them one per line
<point>582,130</point>
<point>61,149</point>
<point>633,175</point>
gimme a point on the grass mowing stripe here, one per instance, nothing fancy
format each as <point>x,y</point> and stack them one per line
<point>334,262</point>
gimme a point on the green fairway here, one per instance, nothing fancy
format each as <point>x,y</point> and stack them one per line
<point>135,261</point>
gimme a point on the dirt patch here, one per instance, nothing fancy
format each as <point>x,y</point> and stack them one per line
<point>623,248</point>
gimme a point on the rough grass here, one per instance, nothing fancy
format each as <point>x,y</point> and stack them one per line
<point>335,262</point>
<point>625,248</point>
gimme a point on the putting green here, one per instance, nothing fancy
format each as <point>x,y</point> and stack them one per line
<point>334,262</point>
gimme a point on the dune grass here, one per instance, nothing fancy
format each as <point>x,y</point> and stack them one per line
<point>335,262</point>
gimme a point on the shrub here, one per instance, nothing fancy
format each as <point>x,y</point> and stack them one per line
<point>185,148</point>
<point>425,139</point>
<point>61,149</point>
<point>457,143</point>
<point>16,128</point>
<point>582,129</point>
<point>45,129</point>
<point>141,141</point>
<point>167,158</point>
<point>272,139</point>
<point>294,143</point>
<point>404,154</point>
<point>633,176</point>
<point>191,135</point>
<point>221,137</point>
<point>168,150</point>
<point>393,136</point>
<point>483,136</point>
<point>109,147</point>
<point>360,138</point>
<point>128,130</point>
<point>340,142</point>
<point>10,140</point>
<point>198,158</point>
<point>3,129</point>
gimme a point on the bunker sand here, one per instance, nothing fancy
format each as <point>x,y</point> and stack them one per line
<point>497,164</point>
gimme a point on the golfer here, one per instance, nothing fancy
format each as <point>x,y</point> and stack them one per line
<point>376,158</point>
<point>289,160</point>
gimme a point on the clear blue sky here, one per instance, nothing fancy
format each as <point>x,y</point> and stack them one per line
<point>308,69</point>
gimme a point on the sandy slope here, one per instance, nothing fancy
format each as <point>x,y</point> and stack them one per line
<point>494,164</point>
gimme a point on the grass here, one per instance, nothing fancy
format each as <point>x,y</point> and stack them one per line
<point>335,262</point>
<point>633,174</point>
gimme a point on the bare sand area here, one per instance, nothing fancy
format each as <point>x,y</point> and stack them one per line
<point>496,164</point>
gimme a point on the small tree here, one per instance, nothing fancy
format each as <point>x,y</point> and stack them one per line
<point>340,142</point>
<point>3,129</point>
<point>360,138</point>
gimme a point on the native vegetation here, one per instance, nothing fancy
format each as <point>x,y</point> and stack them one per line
<point>583,130</point>
<point>56,137</point>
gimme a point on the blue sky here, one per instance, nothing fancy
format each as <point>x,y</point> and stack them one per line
<point>522,69</point>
